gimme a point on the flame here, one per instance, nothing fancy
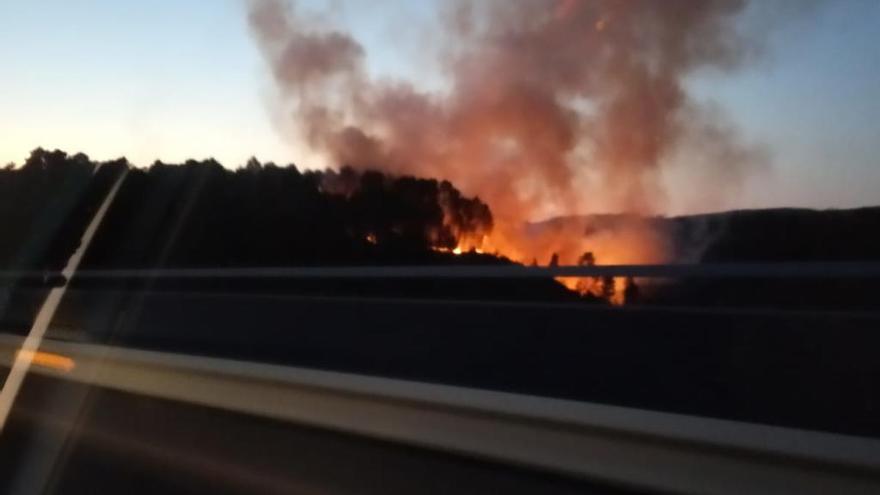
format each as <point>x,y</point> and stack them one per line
<point>612,289</point>
<point>458,250</point>
<point>535,122</point>
<point>581,242</point>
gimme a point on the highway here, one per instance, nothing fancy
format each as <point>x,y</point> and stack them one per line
<point>682,391</point>
<point>94,418</point>
<point>804,370</point>
<point>117,442</point>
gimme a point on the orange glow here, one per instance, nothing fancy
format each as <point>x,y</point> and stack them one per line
<point>578,241</point>
<point>50,360</point>
<point>458,251</point>
<point>578,121</point>
<point>596,287</point>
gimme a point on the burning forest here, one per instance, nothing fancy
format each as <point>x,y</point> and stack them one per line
<point>551,108</point>
<point>546,144</point>
<point>203,215</point>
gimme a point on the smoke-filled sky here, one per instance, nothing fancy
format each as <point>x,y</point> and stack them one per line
<point>790,108</point>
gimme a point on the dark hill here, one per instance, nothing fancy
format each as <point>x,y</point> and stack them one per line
<point>201,215</point>
<point>787,234</point>
<point>769,235</point>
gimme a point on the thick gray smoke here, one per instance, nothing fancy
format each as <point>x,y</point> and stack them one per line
<point>553,107</point>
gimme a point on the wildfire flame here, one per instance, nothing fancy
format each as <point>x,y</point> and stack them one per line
<point>551,108</point>
<point>574,243</point>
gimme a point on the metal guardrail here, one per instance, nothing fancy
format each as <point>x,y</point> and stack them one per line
<point>636,448</point>
<point>43,318</point>
<point>704,270</point>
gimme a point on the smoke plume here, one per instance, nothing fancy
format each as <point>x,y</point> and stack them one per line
<point>552,108</point>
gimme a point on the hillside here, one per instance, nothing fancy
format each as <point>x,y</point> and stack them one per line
<point>769,235</point>
<point>202,215</point>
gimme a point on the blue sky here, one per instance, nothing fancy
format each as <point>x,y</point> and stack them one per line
<point>175,79</point>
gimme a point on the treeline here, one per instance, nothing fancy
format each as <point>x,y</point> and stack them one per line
<point>199,214</point>
<point>44,206</point>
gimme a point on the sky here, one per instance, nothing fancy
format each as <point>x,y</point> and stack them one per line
<point>178,79</point>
